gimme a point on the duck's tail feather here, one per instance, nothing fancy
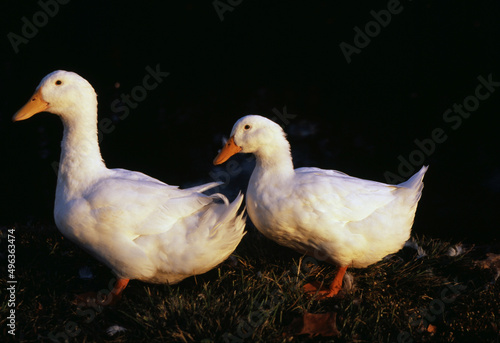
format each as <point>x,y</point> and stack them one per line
<point>212,238</point>
<point>230,216</point>
<point>416,185</point>
<point>415,182</point>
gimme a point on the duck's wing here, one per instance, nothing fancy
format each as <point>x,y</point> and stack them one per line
<point>343,198</point>
<point>136,204</point>
<point>138,176</point>
<point>119,173</point>
<point>140,228</point>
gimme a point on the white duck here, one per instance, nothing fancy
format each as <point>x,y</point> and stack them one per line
<point>323,213</point>
<point>138,226</point>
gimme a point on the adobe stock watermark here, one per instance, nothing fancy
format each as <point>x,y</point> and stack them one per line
<point>372,29</point>
<point>11,281</point>
<point>121,107</point>
<point>222,7</point>
<point>430,313</point>
<point>232,168</point>
<point>454,117</point>
<point>87,311</point>
<point>30,27</point>
<point>257,317</point>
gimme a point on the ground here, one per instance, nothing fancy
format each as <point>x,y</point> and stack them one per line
<point>431,291</point>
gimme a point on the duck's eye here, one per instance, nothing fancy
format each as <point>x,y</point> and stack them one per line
<point>247,127</point>
<point>58,82</point>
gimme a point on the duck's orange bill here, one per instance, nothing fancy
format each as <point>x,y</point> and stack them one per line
<point>35,105</point>
<point>227,151</point>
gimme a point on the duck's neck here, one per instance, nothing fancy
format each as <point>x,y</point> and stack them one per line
<point>81,160</point>
<point>275,161</point>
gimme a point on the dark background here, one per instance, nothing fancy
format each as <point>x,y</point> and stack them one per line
<point>355,117</point>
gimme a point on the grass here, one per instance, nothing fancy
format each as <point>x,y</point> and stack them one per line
<point>254,296</point>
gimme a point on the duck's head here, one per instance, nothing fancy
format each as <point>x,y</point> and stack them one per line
<point>253,134</point>
<point>61,92</point>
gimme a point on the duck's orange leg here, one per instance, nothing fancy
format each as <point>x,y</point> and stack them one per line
<point>116,293</point>
<point>332,291</point>
<point>336,284</point>
<point>92,298</point>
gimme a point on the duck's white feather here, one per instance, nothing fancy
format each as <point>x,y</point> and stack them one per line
<point>138,226</point>
<point>325,213</point>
